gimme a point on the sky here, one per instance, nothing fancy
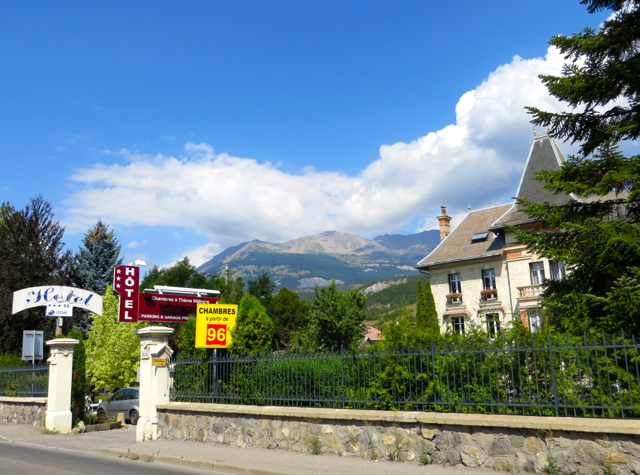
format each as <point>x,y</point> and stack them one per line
<point>192,126</point>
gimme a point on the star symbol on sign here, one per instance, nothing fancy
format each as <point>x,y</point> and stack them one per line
<point>118,271</point>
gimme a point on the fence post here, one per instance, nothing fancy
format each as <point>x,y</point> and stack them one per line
<point>155,355</point>
<point>553,378</point>
<point>60,377</point>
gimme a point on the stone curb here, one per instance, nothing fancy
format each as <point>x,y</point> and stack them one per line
<point>192,463</point>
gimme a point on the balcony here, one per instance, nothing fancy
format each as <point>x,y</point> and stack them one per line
<point>489,294</point>
<point>454,299</point>
<point>530,291</point>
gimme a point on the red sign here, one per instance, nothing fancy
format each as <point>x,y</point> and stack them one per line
<point>126,281</point>
<point>170,307</point>
<point>217,334</point>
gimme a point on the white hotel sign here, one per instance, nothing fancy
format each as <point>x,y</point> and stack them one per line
<point>58,298</point>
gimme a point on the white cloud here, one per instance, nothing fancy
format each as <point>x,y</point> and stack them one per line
<point>477,160</point>
<point>133,244</point>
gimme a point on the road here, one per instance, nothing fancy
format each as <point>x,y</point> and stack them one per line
<point>22,459</point>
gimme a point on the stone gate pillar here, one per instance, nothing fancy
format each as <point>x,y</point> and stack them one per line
<point>60,378</point>
<point>154,378</point>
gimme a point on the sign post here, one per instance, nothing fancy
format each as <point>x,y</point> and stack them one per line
<point>32,349</point>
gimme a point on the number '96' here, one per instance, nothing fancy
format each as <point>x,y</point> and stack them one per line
<point>216,334</point>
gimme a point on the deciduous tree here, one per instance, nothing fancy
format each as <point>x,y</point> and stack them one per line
<point>112,349</point>
<point>289,314</point>
<point>31,254</point>
<point>337,317</point>
<point>253,332</point>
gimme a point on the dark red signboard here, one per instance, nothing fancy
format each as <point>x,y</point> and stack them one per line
<point>149,307</point>
<point>170,307</point>
<point>126,281</point>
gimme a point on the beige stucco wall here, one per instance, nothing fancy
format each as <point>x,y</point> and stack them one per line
<point>510,274</point>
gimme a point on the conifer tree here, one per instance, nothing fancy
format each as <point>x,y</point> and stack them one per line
<point>420,310</point>
<point>600,238</point>
<point>98,256</point>
<point>431,325</point>
<point>601,84</point>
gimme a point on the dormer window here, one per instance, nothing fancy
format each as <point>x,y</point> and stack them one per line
<point>479,237</point>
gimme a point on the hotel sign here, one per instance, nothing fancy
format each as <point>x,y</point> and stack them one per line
<point>152,307</point>
<point>58,299</point>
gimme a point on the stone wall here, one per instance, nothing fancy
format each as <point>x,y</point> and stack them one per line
<point>23,410</point>
<point>580,446</point>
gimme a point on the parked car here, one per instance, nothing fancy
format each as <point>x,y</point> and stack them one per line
<point>124,400</point>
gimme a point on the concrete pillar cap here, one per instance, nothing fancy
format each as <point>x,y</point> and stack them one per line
<point>63,342</point>
<point>149,331</point>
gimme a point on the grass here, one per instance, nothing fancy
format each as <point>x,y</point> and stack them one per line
<point>425,457</point>
<point>316,448</point>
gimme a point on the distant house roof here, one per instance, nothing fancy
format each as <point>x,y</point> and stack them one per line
<point>460,245</point>
<point>372,335</point>
<point>544,155</point>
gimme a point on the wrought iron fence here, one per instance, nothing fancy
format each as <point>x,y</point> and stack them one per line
<point>25,380</point>
<point>545,375</point>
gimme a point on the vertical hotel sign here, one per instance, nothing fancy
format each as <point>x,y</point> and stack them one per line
<point>126,281</point>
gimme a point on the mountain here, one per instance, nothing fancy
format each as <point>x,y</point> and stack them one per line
<point>316,259</point>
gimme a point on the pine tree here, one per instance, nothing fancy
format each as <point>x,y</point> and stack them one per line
<point>98,256</point>
<point>599,241</point>
<point>420,310</point>
<point>602,83</point>
<point>431,325</point>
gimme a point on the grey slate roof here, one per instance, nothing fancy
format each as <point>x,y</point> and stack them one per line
<point>458,245</point>
<point>544,155</point>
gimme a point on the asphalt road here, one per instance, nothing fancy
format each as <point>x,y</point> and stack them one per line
<point>20,459</point>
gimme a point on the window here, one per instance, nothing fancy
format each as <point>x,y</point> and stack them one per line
<point>479,237</point>
<point>455,289</point>
<point>458,324</point>
<point>557,270</point>
<point>454,284</point>
<point>537,273</point>
<point>119,396</point>
<point>535,321</point>
<point>493,324</point>
<point>489,279</point>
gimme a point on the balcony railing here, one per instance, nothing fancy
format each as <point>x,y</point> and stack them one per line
<point>489,294</point>
<point>530,290</point>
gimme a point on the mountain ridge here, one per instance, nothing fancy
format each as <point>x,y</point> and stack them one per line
<point>325,256</point>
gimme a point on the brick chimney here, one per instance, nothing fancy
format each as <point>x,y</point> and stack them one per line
<point>445,223</point>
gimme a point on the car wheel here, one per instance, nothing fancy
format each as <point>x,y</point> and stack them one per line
<point>102,416</point>
<point>133,417</point>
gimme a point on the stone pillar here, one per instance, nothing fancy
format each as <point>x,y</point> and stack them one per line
<point>154,378</point>
<point>60,378</point>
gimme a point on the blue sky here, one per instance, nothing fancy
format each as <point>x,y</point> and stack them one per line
<point>193,126</point>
